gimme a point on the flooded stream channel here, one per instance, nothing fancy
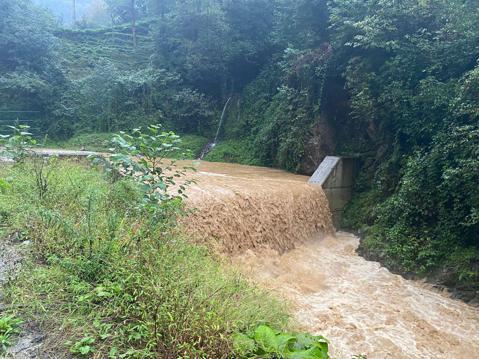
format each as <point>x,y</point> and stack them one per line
<point>277,230</point>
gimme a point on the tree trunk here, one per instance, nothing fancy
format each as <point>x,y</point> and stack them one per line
<point>133,22</point>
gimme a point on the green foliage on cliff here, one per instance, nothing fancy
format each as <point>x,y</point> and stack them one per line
<point>392,82</point>
<point>413,97</point>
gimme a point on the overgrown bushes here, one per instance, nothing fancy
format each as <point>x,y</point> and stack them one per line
<point>110,280</point>
<point>110,269</point>
<point>433,219</point>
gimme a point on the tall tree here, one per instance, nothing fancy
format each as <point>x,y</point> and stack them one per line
<point>29,76</point>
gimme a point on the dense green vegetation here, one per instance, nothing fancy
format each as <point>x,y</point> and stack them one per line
<point>110,273</point>
<point>110,279</point>
<point>413,86</point>
<point>394,83</point>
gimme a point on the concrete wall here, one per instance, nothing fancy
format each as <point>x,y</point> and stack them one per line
<point>336,177</point>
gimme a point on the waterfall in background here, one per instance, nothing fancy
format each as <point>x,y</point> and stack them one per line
<point>212,144</point>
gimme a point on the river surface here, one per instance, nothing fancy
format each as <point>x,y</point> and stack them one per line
<point>361,307</point>
<point>277,230</point>
<point>245,207</point>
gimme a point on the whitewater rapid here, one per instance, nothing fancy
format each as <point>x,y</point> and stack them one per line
<point>243,207</point>
<point>361,306</point>
<point>277,230</point>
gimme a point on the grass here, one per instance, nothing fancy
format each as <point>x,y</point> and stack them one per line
<point>85,141</point>
<point>193,144</point>
<point>234,151</point>
<point>9,326</point>
<point>106,279</point>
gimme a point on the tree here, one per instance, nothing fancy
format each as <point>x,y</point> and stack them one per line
<point>29,76</point>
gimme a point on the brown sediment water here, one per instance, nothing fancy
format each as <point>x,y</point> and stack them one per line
<point>361,307</point>
<point>277,230</point>
<point>244,207</point>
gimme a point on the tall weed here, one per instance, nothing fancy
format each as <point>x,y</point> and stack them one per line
<point>105,292</point>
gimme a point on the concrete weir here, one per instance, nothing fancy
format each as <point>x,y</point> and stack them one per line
<point>336,176</point>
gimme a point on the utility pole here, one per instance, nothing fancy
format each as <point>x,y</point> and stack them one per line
<point>133,22</point>
<point>74,12</point>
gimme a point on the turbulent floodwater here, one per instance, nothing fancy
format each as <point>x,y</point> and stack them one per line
<point>362,307</point>
<point>244,207</point>
<point>278,230</point>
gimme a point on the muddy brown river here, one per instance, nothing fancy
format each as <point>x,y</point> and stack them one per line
<point>277,229</point>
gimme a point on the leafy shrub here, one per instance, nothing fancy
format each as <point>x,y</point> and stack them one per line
<point>9,326</point>
<point>106,271</point>
<point>265,342</point>
<point>18,145</point>
<point>143,157</point>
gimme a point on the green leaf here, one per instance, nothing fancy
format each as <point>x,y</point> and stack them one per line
<point>305,340</point>
<point>242,344</point>
<point>266,339</point>
<point>312,353</point>
<point>85,350</point>
<point>4,186</point>
<point>285,343</point>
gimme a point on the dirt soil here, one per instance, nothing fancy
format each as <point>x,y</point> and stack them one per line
<point>28,344</point>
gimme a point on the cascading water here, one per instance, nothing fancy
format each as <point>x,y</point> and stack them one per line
<point>212,144</point>
<point>277,230</point>
<point>245,207</point>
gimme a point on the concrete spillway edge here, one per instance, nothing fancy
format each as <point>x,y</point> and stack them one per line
<point>336,176</point>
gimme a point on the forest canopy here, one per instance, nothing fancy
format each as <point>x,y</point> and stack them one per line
<point>395,84</point>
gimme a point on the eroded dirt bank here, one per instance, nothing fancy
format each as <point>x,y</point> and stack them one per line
<point>277,229</point>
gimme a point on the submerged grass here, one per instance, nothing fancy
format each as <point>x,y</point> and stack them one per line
<point>106,279</point>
